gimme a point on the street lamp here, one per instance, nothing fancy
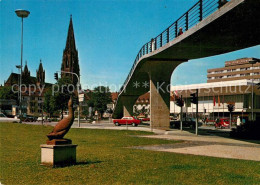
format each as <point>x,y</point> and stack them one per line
<point>23,14</point>
<point>253,61</point>
<point>19,68</point>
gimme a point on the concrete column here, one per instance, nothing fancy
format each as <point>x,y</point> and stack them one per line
<point>128,103</point>
<point>160,77</point>
<point>160,103</point>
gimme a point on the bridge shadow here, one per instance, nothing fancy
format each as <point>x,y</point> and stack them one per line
<point>218,132</point>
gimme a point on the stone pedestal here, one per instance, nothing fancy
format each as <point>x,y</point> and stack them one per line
<point>58,155</point>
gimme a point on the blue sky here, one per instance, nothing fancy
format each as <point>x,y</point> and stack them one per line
<point>109,34</point>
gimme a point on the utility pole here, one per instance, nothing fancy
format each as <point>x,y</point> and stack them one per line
<point>197,109</point>
<point>181,113</point>
<point>194,99</point>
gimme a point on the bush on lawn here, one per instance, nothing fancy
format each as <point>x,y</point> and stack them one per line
<point>249,130</point>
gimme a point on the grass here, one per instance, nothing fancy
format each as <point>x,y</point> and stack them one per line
<point>103,158</point>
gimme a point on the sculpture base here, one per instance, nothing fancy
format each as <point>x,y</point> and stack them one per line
<point>58,142</point>
<point>58,155</point>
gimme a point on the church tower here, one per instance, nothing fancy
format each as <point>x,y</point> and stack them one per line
<point>70,61</point>
<point>40,74</point>
<point>26,75</point>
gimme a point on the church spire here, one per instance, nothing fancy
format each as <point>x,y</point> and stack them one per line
<point>40,74</point>
<point>70,60</point>
<point>70,43</point>
<point>26,75</point>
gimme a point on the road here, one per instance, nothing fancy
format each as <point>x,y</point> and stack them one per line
<point>204,130</point>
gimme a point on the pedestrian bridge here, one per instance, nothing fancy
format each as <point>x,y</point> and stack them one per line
<point>210,27</point>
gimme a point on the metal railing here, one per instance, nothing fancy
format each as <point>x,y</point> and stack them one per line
<point>198,12</point>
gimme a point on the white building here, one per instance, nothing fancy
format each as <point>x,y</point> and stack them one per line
<point>238,92</point>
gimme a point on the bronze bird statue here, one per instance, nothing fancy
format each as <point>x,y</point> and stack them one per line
<point>63,125</point>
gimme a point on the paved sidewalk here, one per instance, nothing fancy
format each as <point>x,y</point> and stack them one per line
<point>206,145</point>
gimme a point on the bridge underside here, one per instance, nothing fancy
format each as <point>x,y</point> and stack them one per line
<point>235,26</point>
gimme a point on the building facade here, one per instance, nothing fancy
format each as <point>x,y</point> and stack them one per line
<point>33,89</point>
<point>214,98</point>
<point>235,70</point>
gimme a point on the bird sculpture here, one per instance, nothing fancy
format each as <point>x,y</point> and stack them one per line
<point>63,125</point>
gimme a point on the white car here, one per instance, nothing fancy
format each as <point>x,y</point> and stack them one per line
<point>3,118</point>
<point>40,119</point>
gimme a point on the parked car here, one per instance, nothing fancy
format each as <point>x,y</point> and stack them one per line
<point>4,118</point>
<point>127,120</point>
<point>222,123</point>
<point>29,118</point>
<point>39,119</point>
<point>144,119</point>
<point>186,122</point>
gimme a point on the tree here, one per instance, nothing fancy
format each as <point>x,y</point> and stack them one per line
<point>48,104</point>
<point>7,93</point>
<point>62,92</point>
<point>100,97</point>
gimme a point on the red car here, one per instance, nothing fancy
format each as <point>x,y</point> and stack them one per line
<point>222,123</point>
<point>127,120</point>
<point>144,119</point>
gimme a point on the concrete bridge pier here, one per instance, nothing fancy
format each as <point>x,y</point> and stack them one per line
<point>128,103</point>
<point>160,87</point>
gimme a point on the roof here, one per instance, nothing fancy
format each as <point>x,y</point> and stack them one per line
<point>13,79</point>
<point>114,96</point>
<point>213,85</point>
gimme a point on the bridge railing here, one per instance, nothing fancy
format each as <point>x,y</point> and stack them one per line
<point>198,12</point>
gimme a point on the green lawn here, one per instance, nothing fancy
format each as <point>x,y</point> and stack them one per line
<point>103,158</point>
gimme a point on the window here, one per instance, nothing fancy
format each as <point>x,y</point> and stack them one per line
<point>67,63</point>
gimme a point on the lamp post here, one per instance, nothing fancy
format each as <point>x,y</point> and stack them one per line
<point>23,14</point>
<point>19,68</point>
<point>253,61</point>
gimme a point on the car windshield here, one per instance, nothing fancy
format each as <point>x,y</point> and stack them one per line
<point>225,120</point>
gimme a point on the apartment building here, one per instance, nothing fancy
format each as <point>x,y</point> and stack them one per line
<point>236,70</point>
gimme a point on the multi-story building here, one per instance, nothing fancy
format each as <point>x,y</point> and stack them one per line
<point>236,70</point>
<point>33,89</point>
